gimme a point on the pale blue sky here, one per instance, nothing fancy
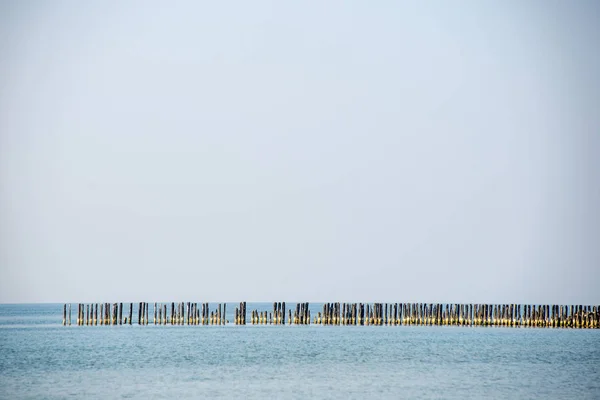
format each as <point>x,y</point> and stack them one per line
<point>320,151</point>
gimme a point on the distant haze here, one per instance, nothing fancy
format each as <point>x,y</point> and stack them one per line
<point>316,151</point>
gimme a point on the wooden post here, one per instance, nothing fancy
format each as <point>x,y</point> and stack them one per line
<point>69,314</point>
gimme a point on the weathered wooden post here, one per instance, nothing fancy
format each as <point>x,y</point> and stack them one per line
<point>65,315</point>
<point>69,314</point>
<point>346,318</point>
<point>562,316</point>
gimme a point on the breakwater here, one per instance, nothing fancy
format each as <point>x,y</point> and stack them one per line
<point>338,314</point>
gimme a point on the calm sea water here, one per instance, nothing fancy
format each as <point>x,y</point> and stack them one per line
<point>39,358</point>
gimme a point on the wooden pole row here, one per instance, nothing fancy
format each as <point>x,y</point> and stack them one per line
<point>107,314</point>
<point>377,314</point>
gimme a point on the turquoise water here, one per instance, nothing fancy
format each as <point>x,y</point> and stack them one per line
<point>39,358</point>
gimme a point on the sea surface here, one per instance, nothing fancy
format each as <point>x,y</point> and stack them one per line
<point>40,358</point>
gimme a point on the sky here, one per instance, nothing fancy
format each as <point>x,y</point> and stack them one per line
<point>300,151</point>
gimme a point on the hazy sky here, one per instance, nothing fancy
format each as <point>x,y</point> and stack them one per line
<point>319,151</point>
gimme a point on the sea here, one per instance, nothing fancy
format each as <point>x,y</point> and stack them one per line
<point>41,359</point>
